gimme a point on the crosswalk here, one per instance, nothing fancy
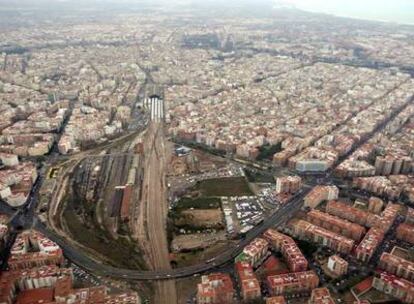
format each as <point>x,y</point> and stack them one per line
<point>156,107</point>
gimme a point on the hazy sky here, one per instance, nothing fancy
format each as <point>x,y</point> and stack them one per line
<point>401,11</point>
<point>387,10</point>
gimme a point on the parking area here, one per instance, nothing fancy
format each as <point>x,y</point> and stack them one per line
<point>82,278</point>
<point>242,213</point>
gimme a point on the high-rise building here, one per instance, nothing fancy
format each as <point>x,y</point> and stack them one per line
<point>369,244</point>
<point>248,282</point>
<point>336,224</point>
<point>399,288</point>
<point>9,160</point>
<point>405,232</point>
<point>292,283</point>
<point>51,284</point>
<point>337,265</point>
<point>409,218</point>
<point>276,300</point>
<point>351,214</point>
<point>375,205</point>
<point>290,251</point>
<point>391,164</point>
<point>4,233</point>
<point>397,265</point>
<point>304,229</point>
<point>321,296</point>
<point>32,249</point>
<point>387,217</point>
<point>312,165</point>
<point>254,252</point>
<point>288,184</point>
<point>215,288</point>
<point>320,194</point>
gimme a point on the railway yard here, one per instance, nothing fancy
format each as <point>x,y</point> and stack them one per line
<point>120,194</point>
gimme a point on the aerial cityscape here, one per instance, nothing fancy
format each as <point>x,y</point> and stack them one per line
<point>204,152</point>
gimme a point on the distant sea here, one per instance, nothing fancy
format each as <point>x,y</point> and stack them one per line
<point>402,18</point>
<point>397,11</point>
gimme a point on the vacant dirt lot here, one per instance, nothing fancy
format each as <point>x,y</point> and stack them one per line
<point>196,241</point>
<point>208,218</point>
<point>193,257</point>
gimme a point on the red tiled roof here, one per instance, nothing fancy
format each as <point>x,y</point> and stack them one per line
<point>34,296</point>
<point>363,286</point>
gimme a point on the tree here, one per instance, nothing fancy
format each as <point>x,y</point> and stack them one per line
<point>51,97</point>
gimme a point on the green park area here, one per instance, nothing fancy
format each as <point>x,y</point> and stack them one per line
<point>225,186</point>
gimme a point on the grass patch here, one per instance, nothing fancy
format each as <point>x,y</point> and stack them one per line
<point>266,152</point>
<point>191,228</point>
<point>197,255</point>
<point>375,296</point>
<point>201,147</point>
<point>307,248</point>
<point>255,176</point>
<point>227,186</point>
<point>197,203</point>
